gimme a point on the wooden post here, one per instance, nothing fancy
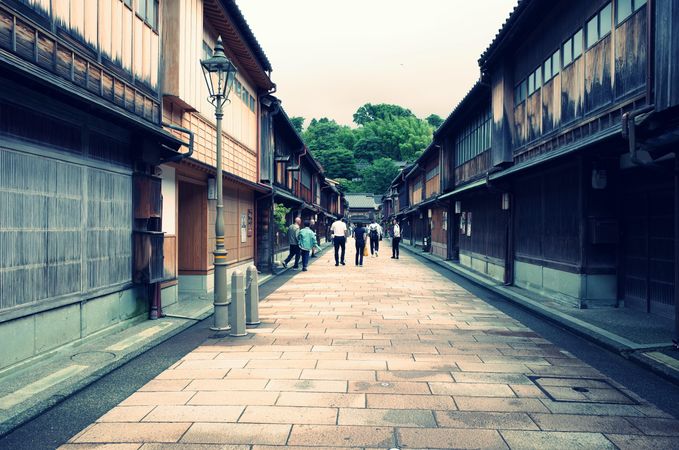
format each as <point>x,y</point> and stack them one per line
<point>676,247</point>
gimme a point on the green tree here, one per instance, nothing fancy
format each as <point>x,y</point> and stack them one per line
<point>337,163</point>
<point>378,176</point>
<point>326,134</point>
<point>348,186</point>
<point>382,111</point>
<point>398,138</point>
<point>279,214</point>
<point>434,120</point>
<point>298,123</point>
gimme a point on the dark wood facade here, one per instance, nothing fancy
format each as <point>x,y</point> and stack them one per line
<point>551,195</point>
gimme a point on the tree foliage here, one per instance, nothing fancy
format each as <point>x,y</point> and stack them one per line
<point>326,134</point>
<point>399,138</point>
<point>279,214</point>
<point>337,163</point>
<point>382,111</point>
<point>377,177</point>
<point>385,134</point>
<point>434,120</point>
<point>298,123</point>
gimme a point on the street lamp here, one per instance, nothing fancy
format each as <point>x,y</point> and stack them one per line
<point>219,74</point>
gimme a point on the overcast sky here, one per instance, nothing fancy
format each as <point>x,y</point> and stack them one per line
<point>331,56</point>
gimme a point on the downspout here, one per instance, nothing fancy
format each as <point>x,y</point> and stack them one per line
<point>272,254</point>
<point>180,156</point>
<point>629,133</point>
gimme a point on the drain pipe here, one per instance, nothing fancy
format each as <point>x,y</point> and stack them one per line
<point>272,195</point>
<point>629,133</point>
<point>180,156</point>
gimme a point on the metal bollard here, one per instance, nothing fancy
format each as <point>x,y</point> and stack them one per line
<point>237,307</point>
<point>251,297</point>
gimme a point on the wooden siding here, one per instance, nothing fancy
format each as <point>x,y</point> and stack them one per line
<point>551,104</point>
<point>416,186</point>
<point>191,227</point>
<point>533,115</point>
<point>79,64</point>
<point>631,48</point>
<point>488,226</point>
<point>237,158</point>
<point>548,216</point>
<point>610,74</point>
<point>65,229</point>
<point>598,81</point>
<point>170,257</point>
<point>666,43</point>
<point>439,232</point>
<point>472,169</point>
<point>183,77</point>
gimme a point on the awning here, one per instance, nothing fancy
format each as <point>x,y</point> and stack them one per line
<point>280,193</point>
<point>427,202</point>
<point>563,150</point>
<point>464,188</point>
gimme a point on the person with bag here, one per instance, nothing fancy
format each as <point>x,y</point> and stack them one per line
<point>375,231</point>
<point>360,235</point>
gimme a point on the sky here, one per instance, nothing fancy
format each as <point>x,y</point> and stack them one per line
<point>329,57</point>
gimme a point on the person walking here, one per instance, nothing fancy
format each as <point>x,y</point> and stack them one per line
<point>293,232</point>
<point>312,225</point>
<point>395,239</point>
<point>360,234</point>
<point>375,232</point>
<point>338,229</point>
<point>307,243</point>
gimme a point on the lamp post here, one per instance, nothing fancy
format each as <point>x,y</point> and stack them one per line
<point>219,74</point>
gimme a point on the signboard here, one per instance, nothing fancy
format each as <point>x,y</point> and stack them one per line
<point>243,228</point>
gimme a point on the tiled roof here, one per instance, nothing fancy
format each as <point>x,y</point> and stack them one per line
<point>361,200</point>
<point>521,5</point>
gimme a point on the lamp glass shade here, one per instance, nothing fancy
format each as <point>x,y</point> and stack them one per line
<point>219,72</point>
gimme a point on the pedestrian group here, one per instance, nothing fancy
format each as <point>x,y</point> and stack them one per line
<point>304,243</point>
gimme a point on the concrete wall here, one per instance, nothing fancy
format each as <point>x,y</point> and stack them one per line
<point>440,250</point>
<point>40,333</point>
<point>578,290</point>
<point>483,265</point>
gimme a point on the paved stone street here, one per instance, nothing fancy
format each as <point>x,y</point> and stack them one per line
<point>390,355</point>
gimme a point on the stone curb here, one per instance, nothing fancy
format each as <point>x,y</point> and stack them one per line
<point>611,341</point>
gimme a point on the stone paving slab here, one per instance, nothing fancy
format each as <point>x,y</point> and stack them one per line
<point>390,355</point>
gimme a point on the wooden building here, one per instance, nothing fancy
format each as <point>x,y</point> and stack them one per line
<point>362,208</point>
<point>189,185</point>
<point>296,182</point>
<point>557,171</point>
<point>80,141</point>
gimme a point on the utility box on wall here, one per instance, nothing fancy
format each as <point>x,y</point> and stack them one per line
<point>147,196</point>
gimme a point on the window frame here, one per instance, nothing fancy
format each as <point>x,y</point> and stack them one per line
<point>635,6</point>
<point>144,15</point>
<point>596,19</point>
<point>570,45</point>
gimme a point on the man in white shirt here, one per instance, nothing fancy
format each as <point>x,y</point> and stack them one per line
<point>338,229</point>
<point>395,239</point>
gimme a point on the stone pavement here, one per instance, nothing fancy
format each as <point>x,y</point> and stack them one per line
<point>390,355</point>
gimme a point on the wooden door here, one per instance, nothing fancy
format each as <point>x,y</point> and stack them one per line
<point>647,251</point>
